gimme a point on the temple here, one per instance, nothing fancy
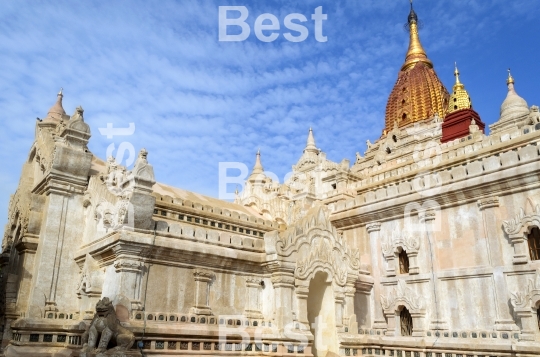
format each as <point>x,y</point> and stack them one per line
<point>427,245</point>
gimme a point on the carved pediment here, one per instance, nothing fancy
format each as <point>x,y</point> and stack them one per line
<point>522,221</point>
<point>313,244</point>
<point>403,295</point>
<point>411,244</point>
<point>529,297</point>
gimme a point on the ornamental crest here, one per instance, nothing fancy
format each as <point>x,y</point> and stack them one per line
<point>402,295</point>
<point>398,239</point>
<point>313,244</point>
<point>521,220</point>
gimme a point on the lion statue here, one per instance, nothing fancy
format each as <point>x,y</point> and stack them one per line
<point>106,328</point>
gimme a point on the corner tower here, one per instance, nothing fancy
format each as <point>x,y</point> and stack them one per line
<point>460,115</point>
<point>418,93</point>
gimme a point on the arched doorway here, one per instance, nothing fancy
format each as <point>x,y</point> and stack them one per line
<point>321,315</point>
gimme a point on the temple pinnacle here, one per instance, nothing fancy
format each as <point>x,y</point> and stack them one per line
<point>257,168</point>
<point>57,110</point>
<point>510,79</point>
<point>310,145</point>
<point>416,52</point>
<point>459,99</point>
<point>456,73</point>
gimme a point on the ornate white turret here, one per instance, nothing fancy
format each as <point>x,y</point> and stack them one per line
<point>514,109</point>
<point>310,146</point>
<point>257,168</point>
<point>57,112</point>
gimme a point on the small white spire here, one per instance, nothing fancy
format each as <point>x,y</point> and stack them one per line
<point>257,168</point>
<point>56,112</point>
<point>310,146</point>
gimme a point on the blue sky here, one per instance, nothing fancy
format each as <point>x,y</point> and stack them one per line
<point>196,101</point>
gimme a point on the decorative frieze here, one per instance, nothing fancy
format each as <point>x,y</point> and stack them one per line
<point>525,304</point>
<point>393,245</point>
<point>203,275</point>
<point>427,216</point>
<point>202,279</point>
<point>488,202</point>
<point>128,265</point>
<point>517,229</point>
<point>373,227</point>
<point>282,280</point>
<point>403,295</point>
<point>399,297</point>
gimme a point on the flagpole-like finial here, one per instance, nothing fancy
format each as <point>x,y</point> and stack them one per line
<point>510,79</point>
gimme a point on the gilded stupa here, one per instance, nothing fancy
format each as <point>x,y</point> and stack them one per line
<point>459,99</point>
<point>418,93</point>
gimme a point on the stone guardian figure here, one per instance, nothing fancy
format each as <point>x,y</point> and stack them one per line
<point>106,329</point>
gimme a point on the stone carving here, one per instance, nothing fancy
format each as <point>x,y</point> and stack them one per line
<point>368,144</point>
<point>112,217</point>
<point>403,240</point>
<point>402,295</point>
<point>323,254</point>
<point>282,280</point>
<point>516,228</point>
<point>515,224</point>
<point>525,304</point>
<point>115,178</point>
<point>359,158</point>
<point>474,128</point>
<point>488,202</point>
<point>534,115</point>
<point>524,299</point>
<point>142,169</point>
<point>427,215</point>
<point>203,275</point>
<point>128,265</point>
<point>105,328</point>
<point>327,248</point>
<point>373,227</point>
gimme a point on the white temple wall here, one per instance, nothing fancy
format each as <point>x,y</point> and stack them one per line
<point>54,265</point>
<point>170,289</point>
<point>468,303</point>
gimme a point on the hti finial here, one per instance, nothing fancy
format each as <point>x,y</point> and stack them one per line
<point>412,15</point>
<point>61,90</point>
<point>510,79</point>
<point>456,73</point>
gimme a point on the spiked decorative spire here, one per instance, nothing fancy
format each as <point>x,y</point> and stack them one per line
<point>418,92</point>
<point>257,168</point>
<point>459,99</point>
<point>514,107</point>
<point>456,74</point>
<point>416,52</point>
<point>310,146</point>
<point>57,111</point>
<point>510,79</point>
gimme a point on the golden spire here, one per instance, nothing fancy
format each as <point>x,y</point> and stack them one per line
<point>460,98</point>
<point>456,74</point>
<point>510,79</point>
<point>418,92</point>
<point>416,52</point>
